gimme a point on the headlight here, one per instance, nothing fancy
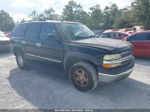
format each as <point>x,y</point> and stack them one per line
<point>108,61</point>
<point>112,57</point>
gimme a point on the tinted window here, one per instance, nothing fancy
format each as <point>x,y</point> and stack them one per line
<point>139,37</point>
<point>48,29</point>
<point>105,35</point>
<point>111,35</point>
<point>19,30</point>
<point>118,35</point>
<point>33,31</point>
<point>148,37</point>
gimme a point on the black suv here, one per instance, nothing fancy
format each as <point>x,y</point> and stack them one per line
<point>73,47</point>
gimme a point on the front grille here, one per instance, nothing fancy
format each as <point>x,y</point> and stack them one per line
<point>126,54</point>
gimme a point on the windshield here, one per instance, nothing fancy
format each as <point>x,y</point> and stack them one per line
<point>2,34</point>
<point>76,31</point>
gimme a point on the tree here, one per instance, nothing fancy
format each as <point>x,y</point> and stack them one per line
<point>33,15</point>
<point>71,11</point>
<point>48,14</point>
<point>126,19</point>
<point>95,19</point>
<point>6,22</point>
<point>109,16</point>
<point>142,10</point>
<point>74,12</point>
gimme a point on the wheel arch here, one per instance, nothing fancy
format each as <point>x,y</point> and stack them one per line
<point>16,50</point>
<point>72,58</point>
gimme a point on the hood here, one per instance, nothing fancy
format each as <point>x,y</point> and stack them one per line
<point>4,39</point>
<point>106,44</point>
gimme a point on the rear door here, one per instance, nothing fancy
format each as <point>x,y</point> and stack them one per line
<point>52,48</point>
<point>32,39</point>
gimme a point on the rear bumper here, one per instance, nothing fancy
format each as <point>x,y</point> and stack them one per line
<point>107,78</point>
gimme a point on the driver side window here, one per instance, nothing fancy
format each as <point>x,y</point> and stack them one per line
<point>48,29</point>
<point>132,38</point>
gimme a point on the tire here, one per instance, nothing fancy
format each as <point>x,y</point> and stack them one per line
<point>21,60</point>
<point>83,76</point>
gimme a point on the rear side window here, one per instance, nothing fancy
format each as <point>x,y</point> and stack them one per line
<point>118,35</point>
<point>111,35</point>
<point>33,30</point>
<point>19,30</point>
<point>139,37</point>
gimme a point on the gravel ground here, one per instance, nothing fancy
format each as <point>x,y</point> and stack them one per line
<point>35,88</point>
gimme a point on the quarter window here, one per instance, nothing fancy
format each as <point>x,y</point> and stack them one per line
<point>19,30</point>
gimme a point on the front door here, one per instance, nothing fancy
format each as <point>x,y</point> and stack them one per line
<point>51,47</point>
<point>139,43</point>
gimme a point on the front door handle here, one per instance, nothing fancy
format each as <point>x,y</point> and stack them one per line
<point>38,44</point>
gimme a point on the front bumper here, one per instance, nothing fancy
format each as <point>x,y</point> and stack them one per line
<point>107,78</point>
<point>117,73</point>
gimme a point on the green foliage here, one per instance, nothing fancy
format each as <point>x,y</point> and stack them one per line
<point>48,14</point>
<point>126,19</point>
<point>6,22</point>
<point>142,12</point>
<point>95,19</point>
<point>111,17</point>
<point>74,12</point>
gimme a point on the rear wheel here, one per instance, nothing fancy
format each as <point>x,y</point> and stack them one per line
<point>21,60</point>
<point>83,76</point>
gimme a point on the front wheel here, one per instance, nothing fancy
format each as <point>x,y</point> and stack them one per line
<point>21,60</point>
<point>83,76</point>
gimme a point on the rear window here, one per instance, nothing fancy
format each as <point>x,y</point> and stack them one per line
<point>19,30</point>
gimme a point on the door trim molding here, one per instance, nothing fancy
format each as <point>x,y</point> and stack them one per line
<point>49,59</point>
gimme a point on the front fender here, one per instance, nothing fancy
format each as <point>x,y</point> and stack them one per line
<point>81,56</point>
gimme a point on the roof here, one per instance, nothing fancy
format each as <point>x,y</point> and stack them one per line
<point>115,32</point>
<point>51,21</point>
<point>145,31</point>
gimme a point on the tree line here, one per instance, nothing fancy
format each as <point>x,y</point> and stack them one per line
<point>111,17</point>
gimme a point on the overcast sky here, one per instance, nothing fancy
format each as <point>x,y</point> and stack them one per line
<point>20,9</point>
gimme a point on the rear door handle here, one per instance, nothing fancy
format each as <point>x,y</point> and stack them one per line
<point>38,44</point>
